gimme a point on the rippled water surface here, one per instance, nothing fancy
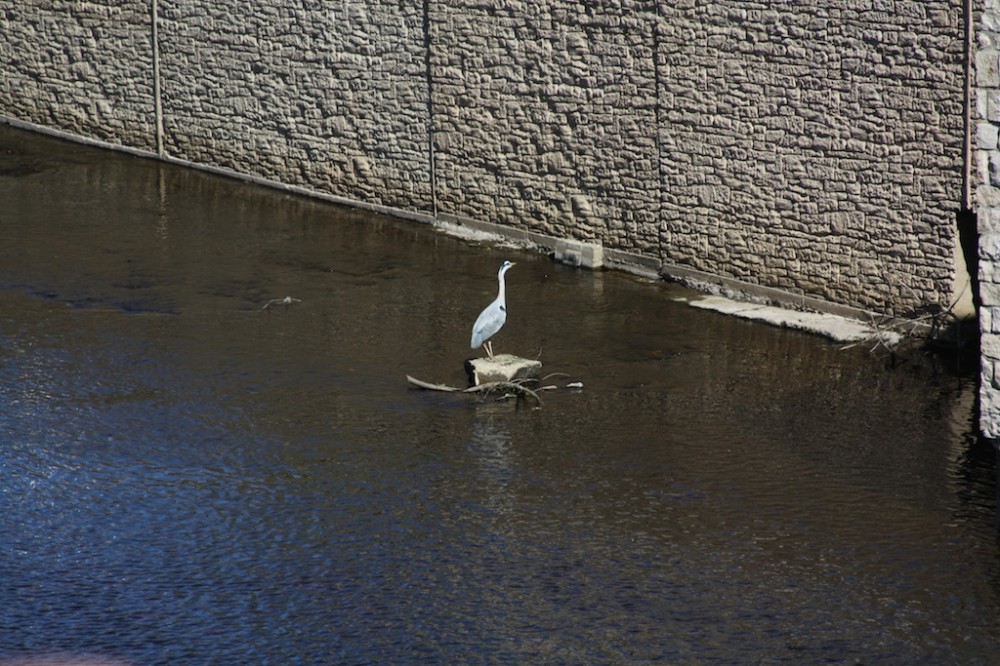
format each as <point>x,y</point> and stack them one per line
<point>188,478</point>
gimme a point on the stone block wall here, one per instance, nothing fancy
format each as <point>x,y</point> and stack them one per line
<point>328,96</point>
<point>987,180</point>
<point>545,117</point>
<point>82,67</point>
<point>815,147</point>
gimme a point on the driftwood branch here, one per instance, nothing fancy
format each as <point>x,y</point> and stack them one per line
<point>517,387</point>
<point>430,387</point>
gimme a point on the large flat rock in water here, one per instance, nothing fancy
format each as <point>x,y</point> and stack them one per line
<point>501,368</point>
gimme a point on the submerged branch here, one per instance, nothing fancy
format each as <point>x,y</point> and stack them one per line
<point>516,387</point>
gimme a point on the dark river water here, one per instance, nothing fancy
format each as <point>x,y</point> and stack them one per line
<point>187,477</point>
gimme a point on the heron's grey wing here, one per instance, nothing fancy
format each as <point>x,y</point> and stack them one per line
<point>488,323</point>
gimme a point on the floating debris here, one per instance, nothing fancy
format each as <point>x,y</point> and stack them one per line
<point>286,301</point>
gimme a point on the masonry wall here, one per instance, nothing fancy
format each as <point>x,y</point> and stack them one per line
<point>815,145</point>
<point>987,142</point>
<point>329,96</point>
<point>812,146</point>
<point>86,68</point>
<point>546,118</point>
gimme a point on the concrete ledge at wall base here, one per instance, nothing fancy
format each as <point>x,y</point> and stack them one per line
<point>841,323</point>
<point>573,252</point>
<point>220,171</point>
<point>754,293</point>
<point>837,328</point>
<point>576,253</point>
<point>466,227</point>
<point>76,138</point>
<point>642,265</point>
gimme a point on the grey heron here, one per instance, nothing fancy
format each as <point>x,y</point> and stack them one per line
<point>494,316</point>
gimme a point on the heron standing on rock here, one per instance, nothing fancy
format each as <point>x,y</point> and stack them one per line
<point>494,316</point>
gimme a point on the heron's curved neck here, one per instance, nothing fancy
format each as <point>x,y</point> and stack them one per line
<point>502,291</point>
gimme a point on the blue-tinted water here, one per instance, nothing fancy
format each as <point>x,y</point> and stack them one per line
<point>186,477</point>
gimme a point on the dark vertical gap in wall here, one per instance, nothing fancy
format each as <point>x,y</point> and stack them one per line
<point>967,222</point>
<point>967,219</point>
<point>157,102</point>
<point>968,237</point>
<point>430,108</point>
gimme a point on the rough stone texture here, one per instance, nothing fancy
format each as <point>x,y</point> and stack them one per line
<point>81,67</point>
<point>501,368</point>
<point>987,180</point>
<point>814,146</point>
<point>545,117</point>
<point>328,96</point>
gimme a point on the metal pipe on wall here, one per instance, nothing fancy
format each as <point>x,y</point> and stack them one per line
<point>967,106</point>
<point>430,108</point>
<point>157,103</point>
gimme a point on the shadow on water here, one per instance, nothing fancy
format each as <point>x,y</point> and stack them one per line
<point>189,477</point>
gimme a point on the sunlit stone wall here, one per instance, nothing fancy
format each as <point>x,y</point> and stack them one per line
<point>546,117</point>
<point>331,96</point>
<point>987,126</point>
<point>813,147</point>
<point>82,67</point>
<point>810,146</point>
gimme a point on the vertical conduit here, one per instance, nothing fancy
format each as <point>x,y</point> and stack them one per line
<point>658,115</point>
<point>430,108</point>
<point>967,108</point>
<point>157,105</point>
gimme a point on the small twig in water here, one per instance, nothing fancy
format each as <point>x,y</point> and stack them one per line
<point>286,301</point>
<point>554,374</point>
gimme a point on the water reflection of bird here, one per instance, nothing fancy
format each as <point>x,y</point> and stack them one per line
<point>494,316</point>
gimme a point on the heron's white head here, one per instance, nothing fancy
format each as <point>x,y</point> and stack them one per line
<point>506,266</point>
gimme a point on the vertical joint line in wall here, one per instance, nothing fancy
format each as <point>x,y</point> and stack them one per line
<point>430,108</point>
<point>658,120</point>
<point>967,106</point>
<point>157,103</point>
